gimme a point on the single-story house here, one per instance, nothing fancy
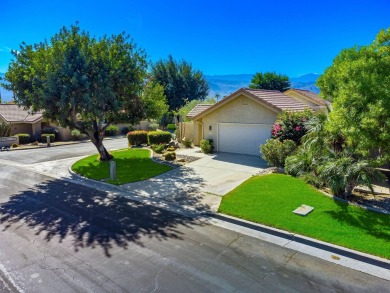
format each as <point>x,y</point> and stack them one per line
<point>242,121</point>
<point>309,98</point>
<point>22,121</point>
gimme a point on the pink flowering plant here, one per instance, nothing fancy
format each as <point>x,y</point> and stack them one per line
<point>291,125</point>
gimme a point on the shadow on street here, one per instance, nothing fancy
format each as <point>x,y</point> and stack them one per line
<point>93,218</point>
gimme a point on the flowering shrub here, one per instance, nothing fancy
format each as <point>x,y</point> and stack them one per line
<point>275,152</point>
<point>291,125</point>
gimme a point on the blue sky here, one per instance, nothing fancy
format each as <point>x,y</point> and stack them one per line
<point>217,37</point>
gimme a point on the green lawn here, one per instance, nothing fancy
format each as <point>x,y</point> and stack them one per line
<point>270,200</point>
<point>132,165</point>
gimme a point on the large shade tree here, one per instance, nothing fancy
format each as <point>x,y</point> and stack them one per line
<point>270,81</point>
<point>358,83</point>
<point>85,83</point>
<point>181,82</point>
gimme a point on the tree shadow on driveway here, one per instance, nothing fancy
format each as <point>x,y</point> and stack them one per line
<point>93,218</point>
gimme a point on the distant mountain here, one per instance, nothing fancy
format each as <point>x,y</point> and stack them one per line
<point>224,85</point>
<point>6,96</point>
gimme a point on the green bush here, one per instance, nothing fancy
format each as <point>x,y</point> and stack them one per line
<point>24,138</point>
<point>170,149</point>
<point>153,126</point>
<point>171,127</point>
<point>187,142</point>
<point>77,135</point>
<point>111,130</point>
<point>275,152</point>
<point>15,145</point>
<point>158,148</point>
<point>44,139</point>
<point>158,137</point>
<point>207,146</point>
<point>169,156</point>
<point>137,137</point>
<point>5,130</point>
<point>51,130</point>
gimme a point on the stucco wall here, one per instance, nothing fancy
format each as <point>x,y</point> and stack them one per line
<point>21,128</point>
<point>239,110</point>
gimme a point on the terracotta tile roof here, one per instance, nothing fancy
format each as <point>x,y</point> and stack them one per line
<point>274,99</point>
<point>197,109</point>
<point>277,99</point>
<point>312,96</point>
<point>13,113</point>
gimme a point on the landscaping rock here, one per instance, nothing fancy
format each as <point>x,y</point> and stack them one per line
<point>271,170</point>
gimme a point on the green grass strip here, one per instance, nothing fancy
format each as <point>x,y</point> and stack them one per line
<point>131,165</point>
<point>270,200</point>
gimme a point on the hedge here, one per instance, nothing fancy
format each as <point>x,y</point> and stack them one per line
<point>24,138</point>
<point>159,137</point>
<point>111,130</point>
<point>44,135</point>
<point>137,137</point>
<point>51,130</point>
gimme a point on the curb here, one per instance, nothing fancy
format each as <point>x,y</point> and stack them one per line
<point>343,251</point>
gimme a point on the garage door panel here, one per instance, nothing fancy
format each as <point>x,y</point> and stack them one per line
<point>242,138</point>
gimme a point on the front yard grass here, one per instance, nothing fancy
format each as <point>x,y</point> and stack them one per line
<point>270,200</point>
<point>131,165</point>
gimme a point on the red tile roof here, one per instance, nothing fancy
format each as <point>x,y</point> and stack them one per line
<point>13,113</point>
<point>274,99</point>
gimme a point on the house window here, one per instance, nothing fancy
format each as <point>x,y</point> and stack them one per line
<point>210,128</point>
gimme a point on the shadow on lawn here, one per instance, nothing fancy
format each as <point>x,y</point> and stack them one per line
<point>93,218</point>
<point>373,223</point>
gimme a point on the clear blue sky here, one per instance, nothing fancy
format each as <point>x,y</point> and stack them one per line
<point>217,37</point>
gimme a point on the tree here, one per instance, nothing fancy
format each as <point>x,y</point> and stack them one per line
<point>358,83</point>
<point>84,83</point>
<point>270,81</point>
<point>184,110</point>
<point>180,81</point>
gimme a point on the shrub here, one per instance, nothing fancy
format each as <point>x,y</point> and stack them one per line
<point>157,137</point>
<point>5,130</point>
<point>137,137</point>
<point>126,129</point>
<point>15,145</point>
<point>153,126</point>
<point>169,156</point>
<point>45,135</point>
<point>177,134</point>
<point>207,146</point>
<point>51,130</point>
<point>170,149</point>
<point>111,130</point>
<point>187,142</point>
<point>158,148</point>
<point>24,138</point>
<point>171,127</point>
<point>275,151</point>
<point>77,135</point>
<point>291,125</point>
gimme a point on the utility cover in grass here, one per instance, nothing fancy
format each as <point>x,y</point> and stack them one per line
<point>303,210</point>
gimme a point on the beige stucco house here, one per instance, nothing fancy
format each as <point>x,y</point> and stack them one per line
<point>22,120</point>
<point>242,121</point>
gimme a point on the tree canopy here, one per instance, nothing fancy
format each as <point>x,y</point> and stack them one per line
<point>180,81</point>
<point>270,81</point>
<point>85,83</point>
<point>358,84</point>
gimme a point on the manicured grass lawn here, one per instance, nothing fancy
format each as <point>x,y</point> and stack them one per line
<point>270,200</point>
<point>131,165</point>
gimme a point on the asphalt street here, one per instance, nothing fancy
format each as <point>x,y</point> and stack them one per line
<point>57,236</point>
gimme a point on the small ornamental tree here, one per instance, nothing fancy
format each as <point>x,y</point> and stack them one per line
<point>85,83</point>
<point>291,125</point>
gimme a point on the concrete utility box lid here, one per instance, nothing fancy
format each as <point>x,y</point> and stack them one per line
<point>303,210</point>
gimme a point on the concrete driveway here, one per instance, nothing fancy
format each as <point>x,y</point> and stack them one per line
<point>200,184</point>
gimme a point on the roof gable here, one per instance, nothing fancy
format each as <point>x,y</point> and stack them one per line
<point>274,100</point>
<point>12,113</point>
<point>314,98</point>
<point>198,109</point>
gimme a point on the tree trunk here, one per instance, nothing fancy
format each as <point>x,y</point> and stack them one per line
<point>97,140</point>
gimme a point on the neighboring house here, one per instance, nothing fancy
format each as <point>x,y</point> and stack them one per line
<point>242,121</point>
<point>22,120</point>
<point>309,98</point>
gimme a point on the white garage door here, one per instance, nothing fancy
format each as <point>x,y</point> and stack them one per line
<point>242,138</point>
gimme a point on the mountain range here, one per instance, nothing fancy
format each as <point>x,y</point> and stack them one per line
<point>223,85</point>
